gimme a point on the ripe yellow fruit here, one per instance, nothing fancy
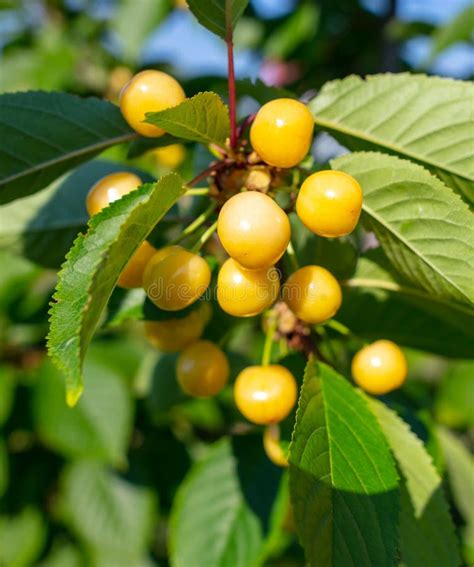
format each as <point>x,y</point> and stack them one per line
<point>175,278</point>
<point>313,294</point>
<point>282,132</point>
<point>265,394</point>
<point>253,229</point>
<point>173,335</point>
<point>171,156</point>
<point>202,369</point>
<point>329,203</point>
<point>132,274</point>
<point>272,447</point>
<point>380,367</point>
<point>110,188</point>
<point>149,91</point>
<point>244,293</point>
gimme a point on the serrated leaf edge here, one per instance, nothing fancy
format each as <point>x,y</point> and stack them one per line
<point>436,181</point>
<point>73,393</point>
<point>374,405</point>
<point>149,115</point>
<point>325,123</point>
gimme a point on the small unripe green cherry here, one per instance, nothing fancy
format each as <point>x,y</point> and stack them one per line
<point>202,369</point>
<point>313,294</point>
<point>173,335</point>
<point>175,278</point>
<point>132,274</point>
<point>265,394</point>
<point>149,91</point>
<point>329,203</point>
<point>282,132</point>
<point>243,293</point>
<point>253,229</point>
<point>380,367</point>
<point>110,188</point>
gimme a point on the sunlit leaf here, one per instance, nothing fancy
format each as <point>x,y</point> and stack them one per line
<point>203,118</point>
<point>426,231</point>
<point>343,481</point>
<point>425,119</point>
<point>426,528</point>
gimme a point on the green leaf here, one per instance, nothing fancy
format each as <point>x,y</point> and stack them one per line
<point>92,268</point>
<point>109,515</point>
<point>22,538</point>
<point>454,403</point>
<point>343,481</point>
<point>164,389</point>
<point>63,555</point>
<point>223,510</point>
<point>145,19</point>
<point>4,470</point>
<point>218,16</point>
<point>426,528</point>
<point>460,28</point>
<point>7,391</point>
<point>425,119</point>
<point>125,305</point>
<point>460,466</point>
<point>203,118</point>
<point>98,427</point>
<point>426,231</point>
<point>377,305</point>
<point>46,134</point>
<point>338,255</point>
<point>46,224</point>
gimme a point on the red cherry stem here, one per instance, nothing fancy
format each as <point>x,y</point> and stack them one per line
<point>244,125</point>
<point>231,77</point>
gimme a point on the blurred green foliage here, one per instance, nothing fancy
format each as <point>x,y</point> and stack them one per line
<point>95,485</point>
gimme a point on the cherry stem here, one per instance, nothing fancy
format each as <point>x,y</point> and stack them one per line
<point>199,221</point>
<point>269,339</point>
<point>231,82</point>
<point>197,192</point>
<point>208,171</point>
<point>204,237</point>
<point>244,125</point>
<point>338,327</point>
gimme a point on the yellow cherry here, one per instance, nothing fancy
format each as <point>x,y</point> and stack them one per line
<point>132,274</point>
<point>329,203</point>
<point>202,369</point>
<point>173,335</point>
<point>244,293</point>
<point>176,278</point>
<point>110,188</point>
<point>253,229</point>
<point>272,447</point>
<point>265,394</point>
<point>282,132</point>
<point>313,294</point>
<point>380,367</point>
<point>149,91</point>
<point>171,156</point>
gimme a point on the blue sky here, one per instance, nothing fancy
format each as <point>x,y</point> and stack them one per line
<point>204,53</point>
